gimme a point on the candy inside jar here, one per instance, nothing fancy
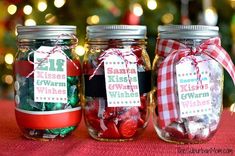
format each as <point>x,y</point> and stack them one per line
<point>47,82</point>
<point>116,87</point>
<point>188,80</point>
<point>114,122</point>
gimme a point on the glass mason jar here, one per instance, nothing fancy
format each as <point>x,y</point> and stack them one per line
<point>47,82</point>
<point>188,83</point>
<point>117,78</point>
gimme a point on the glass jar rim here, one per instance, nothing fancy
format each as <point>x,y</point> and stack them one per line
<point>116,32</point>
<point>46,32</point>
<point>187,31</point>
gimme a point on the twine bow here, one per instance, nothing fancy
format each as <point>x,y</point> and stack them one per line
<point>119,53</point>
<point>174,51</point>
<point>56,48</point>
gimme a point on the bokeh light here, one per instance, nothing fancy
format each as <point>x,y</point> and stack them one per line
<point>27,9</point>
<point>152,4</point>
<point>59,3</point>
<point>8,79</point>
<point>210,16</point>
<point>29,22</point>
<point>42,5</point>
<point>50,18</point>
<point>167,18</point>
<point>95,19</point>
<point>11,9</point>
<point>233,4</point>
<point>232,107</point>
<point>137,9</point>
<point>80,50</point>
<point>9,58</point>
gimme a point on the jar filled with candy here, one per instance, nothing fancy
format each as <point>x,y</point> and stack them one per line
<point>188,80</point>
<point>47,82</point>
<point>117,78</point>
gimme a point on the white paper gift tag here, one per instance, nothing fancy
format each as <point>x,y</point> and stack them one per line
<point>50,77</point>
<point>194,95</point>
<point>121,79</point>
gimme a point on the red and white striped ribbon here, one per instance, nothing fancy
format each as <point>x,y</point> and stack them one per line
<point>119,53</point>
<point>174,51</point>
<point>56,48</point>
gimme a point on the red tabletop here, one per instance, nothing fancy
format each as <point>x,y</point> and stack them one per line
<point>79,143</point>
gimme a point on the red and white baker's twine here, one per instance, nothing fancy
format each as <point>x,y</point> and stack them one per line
<point>55,49</point>
<point>174,51</point>
<point>122,55</point>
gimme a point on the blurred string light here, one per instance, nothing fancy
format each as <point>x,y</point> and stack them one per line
<point>11,9</point>
<point>27,9</point>
<point>167,18</point>
<point>29,22</point>
<point>16,28</point>
<point>8,79</point>
<point>152,4</point>
<point>16,33</point>
<point>59,3</point>
<point>95,19</point>
<point>232,107</point>
<point>9,58</point>
<point>137,9</point>
<point>80,50</point>
<point>50,18</point>
<point>233,4</point>
<point>42,5</point>
<point>210,16</point>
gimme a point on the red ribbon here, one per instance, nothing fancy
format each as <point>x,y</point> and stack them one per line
<point>48,119</point>
<point>24,68</point>
<point>174,51</point>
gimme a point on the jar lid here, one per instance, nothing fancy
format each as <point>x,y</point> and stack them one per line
<point>187,31</point>
<point>46,32</point>
<point>116,32</point>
